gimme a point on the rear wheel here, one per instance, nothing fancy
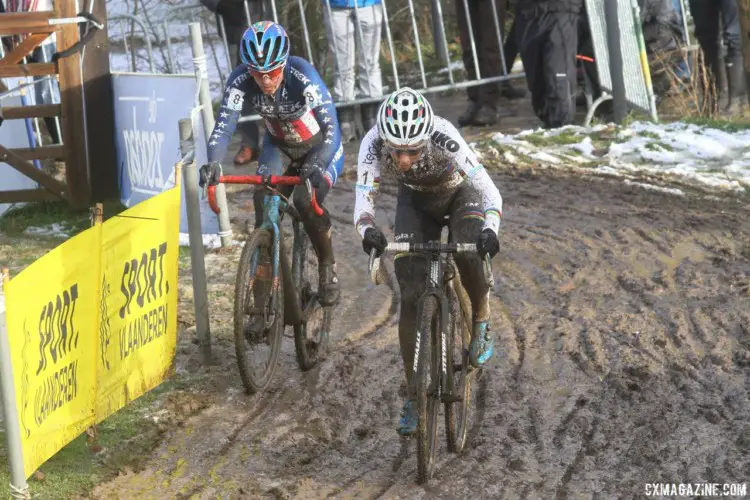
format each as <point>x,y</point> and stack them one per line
<point>310,336</point>
<point>427,381</point>
<point>258,313</point>
<point>457,413</point>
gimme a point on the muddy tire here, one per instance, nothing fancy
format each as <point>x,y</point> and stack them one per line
<point>311,336</point>
<point>427,381</point>
<point>258,313</point>
<point>457,413</point>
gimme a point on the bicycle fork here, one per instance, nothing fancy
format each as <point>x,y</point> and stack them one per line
<point>442,386</point>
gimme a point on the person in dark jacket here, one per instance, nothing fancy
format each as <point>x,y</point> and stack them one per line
<point>232,13</point>
<point>483,99</point>
<point>706,15</point>
<point>547,33</point>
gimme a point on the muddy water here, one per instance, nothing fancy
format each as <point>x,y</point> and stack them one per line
<point>622,319</point>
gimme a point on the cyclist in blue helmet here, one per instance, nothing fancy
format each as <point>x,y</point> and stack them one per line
<point>300,121</point>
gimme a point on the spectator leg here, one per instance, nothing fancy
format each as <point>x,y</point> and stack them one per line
<point>370,78</point>
<point>559,61</point>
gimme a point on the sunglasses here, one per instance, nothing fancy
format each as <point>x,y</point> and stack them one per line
<point>273,74</point>
<point>413,151</point>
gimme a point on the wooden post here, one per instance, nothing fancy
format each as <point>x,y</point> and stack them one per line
<point>69,69</point>
<point>97,87</point>
<point>744,12</point>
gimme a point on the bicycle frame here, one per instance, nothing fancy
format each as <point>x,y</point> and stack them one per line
<point>436,288</point>
<point>274,205</point>
<point>436,284</point>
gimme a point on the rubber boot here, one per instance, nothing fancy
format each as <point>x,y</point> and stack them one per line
<point>346,124</point>
<point>511,92</point>
<point>467,117</point>
<point>485,115</point>
<point>736,86</point>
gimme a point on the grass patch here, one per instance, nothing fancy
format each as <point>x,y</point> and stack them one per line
<point>561,139</point>
<point>18,252</point>
<point>650,135</point>
<point>127,438</point>
<point>16,220</point>
<point>658,146</point>
<point>720,124</point>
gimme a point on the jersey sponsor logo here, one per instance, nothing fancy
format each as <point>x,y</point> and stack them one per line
<point>235,99</point>
<point>372,154</point>
<point>299,75</point>
<point>443,141</point>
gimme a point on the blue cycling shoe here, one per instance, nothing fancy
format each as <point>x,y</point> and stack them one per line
<point>482,345</point>
<point>409,418</point>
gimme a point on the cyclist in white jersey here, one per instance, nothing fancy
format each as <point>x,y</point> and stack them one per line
<point>439,175</point>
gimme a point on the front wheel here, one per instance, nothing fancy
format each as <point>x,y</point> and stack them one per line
<point>311,336</point>
<point>258,313</point>
<point>457,411</point>
<point>427,382</point>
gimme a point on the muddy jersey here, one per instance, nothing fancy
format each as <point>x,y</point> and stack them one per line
<point>300,119</point>
<point>447,163</point>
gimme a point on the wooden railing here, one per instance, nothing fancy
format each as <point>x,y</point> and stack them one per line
<point>35,28</point>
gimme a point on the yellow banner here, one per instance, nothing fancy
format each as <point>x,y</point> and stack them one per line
<point>138,331</point>
<point>52,314</point>
<point>92,325</point>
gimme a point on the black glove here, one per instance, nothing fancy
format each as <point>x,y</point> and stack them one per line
<point>210,174</point>
<point>314,172</point>
<point>487,243</point>
<point>374,238</point>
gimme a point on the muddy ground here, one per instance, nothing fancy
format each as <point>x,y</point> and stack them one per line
<point>623,352</point>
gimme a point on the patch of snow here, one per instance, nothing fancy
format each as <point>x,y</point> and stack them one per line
<point>542,156</point>
<point>586,147</point>
<point>55,230</point>
<point>454,66</point>
<point>685,152</point>
<point>652,187</point>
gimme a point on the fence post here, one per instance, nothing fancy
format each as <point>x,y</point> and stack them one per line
<point>438,34</point>
<point>197,262</point>
<point>615,60</point>
<point>207,113</point>
<point>19,487</point>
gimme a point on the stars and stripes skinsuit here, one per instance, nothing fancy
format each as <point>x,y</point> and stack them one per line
<point>301,124</point>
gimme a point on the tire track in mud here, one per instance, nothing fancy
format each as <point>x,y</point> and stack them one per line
<point>588,397</point>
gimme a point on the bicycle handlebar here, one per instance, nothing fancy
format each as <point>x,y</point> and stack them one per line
<point>264,180</point>
<point>428,247</point>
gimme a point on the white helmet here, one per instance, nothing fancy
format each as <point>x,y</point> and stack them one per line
<point>405,118</point>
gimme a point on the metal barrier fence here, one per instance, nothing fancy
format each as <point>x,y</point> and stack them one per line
<point>426,79</point>
<point>620,54</point>
<point>446,76</point>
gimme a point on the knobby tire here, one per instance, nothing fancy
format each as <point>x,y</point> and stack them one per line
<point>427,381</point>
<point>260,240</point>
<point>311,348</point>
<point>457,413</point>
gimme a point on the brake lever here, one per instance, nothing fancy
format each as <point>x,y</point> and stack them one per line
<point>488,277</point>
<point>374,267</point>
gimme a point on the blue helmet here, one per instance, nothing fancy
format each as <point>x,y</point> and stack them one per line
<point>264,46</point>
